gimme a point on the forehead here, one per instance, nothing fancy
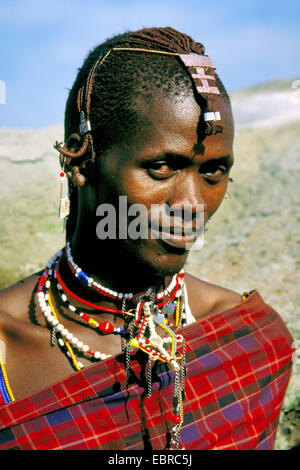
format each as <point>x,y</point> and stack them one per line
<point>172,125</point>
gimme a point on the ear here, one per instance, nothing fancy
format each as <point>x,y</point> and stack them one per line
<point>70,165</point>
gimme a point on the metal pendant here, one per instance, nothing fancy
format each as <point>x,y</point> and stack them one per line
<point>168,308</point>
<point>85,125</point>
<point>64,207</point>
<point>159,318</point>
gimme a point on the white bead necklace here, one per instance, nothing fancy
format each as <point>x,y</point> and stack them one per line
<point>65,336</point>
<point>90,282</point>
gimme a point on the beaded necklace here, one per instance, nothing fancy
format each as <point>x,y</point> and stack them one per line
<point>5,389</point>
<point>90,282</point>
<point>153,311</point>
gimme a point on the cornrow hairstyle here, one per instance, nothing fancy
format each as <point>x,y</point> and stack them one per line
<point>104,101</point>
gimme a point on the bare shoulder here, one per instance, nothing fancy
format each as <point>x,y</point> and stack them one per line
<point>207,299</point>
<point>15,300</point>
<point>17,308</point>
<point>25,341</point>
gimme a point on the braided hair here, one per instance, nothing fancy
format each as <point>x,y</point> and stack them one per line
<point>111,85</point>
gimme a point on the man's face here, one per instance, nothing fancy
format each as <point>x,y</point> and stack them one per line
<point>164,165</point>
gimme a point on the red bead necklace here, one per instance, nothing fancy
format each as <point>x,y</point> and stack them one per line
<point>79,299</point>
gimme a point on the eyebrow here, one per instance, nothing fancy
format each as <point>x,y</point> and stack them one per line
<point>226,159</point>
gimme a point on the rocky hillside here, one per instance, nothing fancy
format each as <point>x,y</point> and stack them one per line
<point>252,242</point>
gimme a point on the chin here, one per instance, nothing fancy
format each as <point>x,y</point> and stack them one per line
<point>156,259</point>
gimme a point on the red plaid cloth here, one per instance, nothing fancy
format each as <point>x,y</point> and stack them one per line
<point>238,368</point>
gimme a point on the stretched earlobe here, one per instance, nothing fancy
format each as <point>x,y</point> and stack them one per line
<point>78,179</point>
<point>81,146</point>
<point>67,153</point>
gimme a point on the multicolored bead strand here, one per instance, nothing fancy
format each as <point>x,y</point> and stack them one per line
<point>90,282</point>
<point>63,343</point>
<point>105,327</point>
<point>148,327</point>
<point>79,299</point>
<point>178,410</point>
<point>144,336</point>
<point>5,389</point>
<point>65,337</point>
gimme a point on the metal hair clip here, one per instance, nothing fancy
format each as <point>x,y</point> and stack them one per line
<point>199,67</point>
<point>200,64</point>
<point>84,126</point>
<point>211,116</point>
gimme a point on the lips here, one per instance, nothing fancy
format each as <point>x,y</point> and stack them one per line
<point>179,230</point>
<point>176,240</point>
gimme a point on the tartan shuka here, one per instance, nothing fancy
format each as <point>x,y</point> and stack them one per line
<point>238,367</point>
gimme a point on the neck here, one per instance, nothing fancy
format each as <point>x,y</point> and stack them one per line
<point>112,265</point>
<point>113,278</point>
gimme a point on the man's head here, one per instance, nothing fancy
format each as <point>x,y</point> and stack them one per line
<point>121,92</point>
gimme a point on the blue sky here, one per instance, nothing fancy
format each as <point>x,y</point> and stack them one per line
<point>44,42</point>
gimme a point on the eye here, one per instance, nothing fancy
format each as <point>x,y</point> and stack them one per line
<point>213,171</point>
<point>166,167</point>
<point>161,170</point>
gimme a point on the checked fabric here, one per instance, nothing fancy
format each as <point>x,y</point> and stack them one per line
<point>238,367</point>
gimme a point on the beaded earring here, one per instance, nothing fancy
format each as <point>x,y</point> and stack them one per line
<point>64,201</point>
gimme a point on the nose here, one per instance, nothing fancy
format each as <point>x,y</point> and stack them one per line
<point>186,193</point>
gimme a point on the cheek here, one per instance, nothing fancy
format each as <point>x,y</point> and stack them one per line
<point>213,196</point>
<point>141,189</point>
